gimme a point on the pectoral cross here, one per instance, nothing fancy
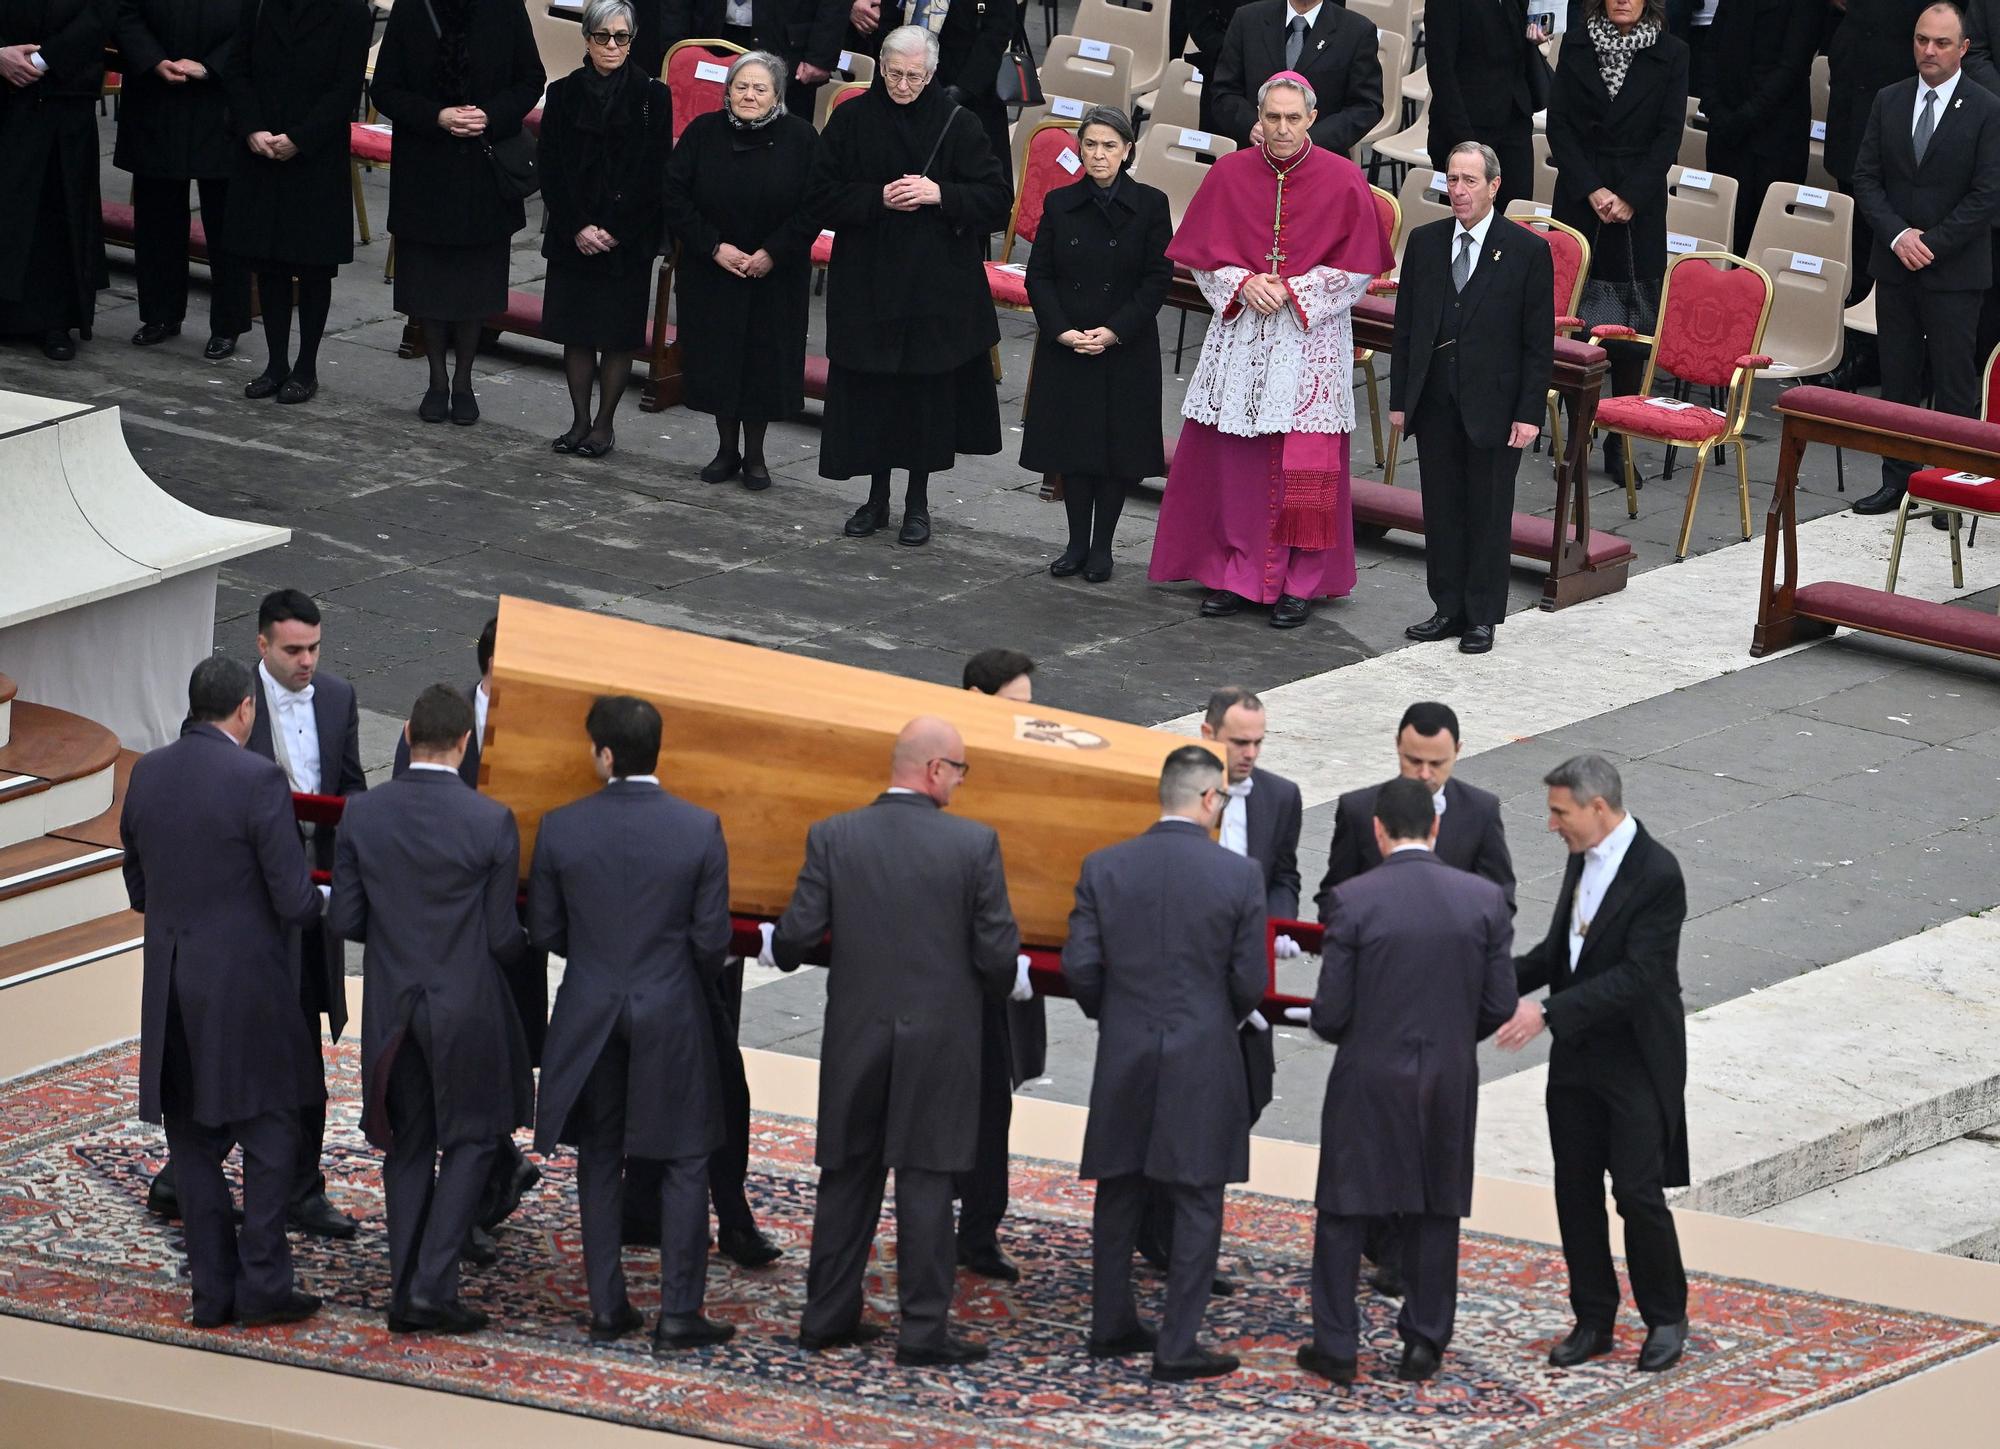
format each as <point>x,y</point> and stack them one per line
<point>1274,256</point>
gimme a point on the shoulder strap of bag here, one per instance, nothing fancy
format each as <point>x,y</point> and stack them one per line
<point>944,131</point>
<point>436,29</point>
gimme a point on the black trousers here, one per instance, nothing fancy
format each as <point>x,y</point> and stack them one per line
<point>1468,509</point>
<point>1196,1239</point>
<point>307,1178</point>
<point>234,1271</point>
<point>845,1214</point>
<point>1428,1246</point>
<point>1515,147</point>
<point>982,1192</point>
<point>1603,1117</point>
<point>430,1199</point>
<point>160,255</point>
<point>1919,327</point>
<point>730,1163</point>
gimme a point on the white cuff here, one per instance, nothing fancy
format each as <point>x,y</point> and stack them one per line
<point>1022,990</point>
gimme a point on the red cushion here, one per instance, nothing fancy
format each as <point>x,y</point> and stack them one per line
<point>1009,289</point>
<point>366,145</point>
<point>823,249</point>
<point>1949,626</point>
<point>532,122</point>
<point>116,221</point>
<point>815,376</point>
<point>1935,485</point>
<point>523,315</point>
<point>1644,418</point>
<point>1888,417</point>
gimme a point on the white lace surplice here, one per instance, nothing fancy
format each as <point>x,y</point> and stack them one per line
<point>1260,375</point>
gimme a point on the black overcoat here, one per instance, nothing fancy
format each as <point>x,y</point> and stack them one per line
<point>609,178</point>
<point>746,353</point>
<point>176,131</point>
<point>300,77</point>
<point>1625,144</point>
<point>441,187</point>
<point>1759,103</point>
<point>906,290</point>
<point>53,122</point>
<point>1416,971</point>
<point>1098,266</point>
<point>1870,47</point>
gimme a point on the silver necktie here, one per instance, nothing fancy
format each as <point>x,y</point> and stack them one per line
<point>1461,265</point>
<point>1295,42</point>
<point>1926,123</point>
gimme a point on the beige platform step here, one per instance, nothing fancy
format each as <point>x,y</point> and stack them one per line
<point>57,770</point>
<point>72,946</point>
<point>50,884</point>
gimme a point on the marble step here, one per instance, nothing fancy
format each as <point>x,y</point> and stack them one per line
<point>1945,1199</point>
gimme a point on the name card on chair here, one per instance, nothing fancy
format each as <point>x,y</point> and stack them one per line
<point>1806,262</point>
<point>1065,107</point>
<point>1437,183</point>
<point>1067,159</point>
<point>1672,405</point>
<point>1193,140</point>
<point>708,70</point>
<point>1094,49</point>
<point>1817,131</point>
<point>847,60</point>
<point>1974,479</point>
<point>1541,208</point>
<point>1812,196</point>
<point>1680,243</point>
<point>1697,180</point>
<point>1196,77</point>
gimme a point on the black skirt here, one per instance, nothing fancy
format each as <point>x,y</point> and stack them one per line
<point>599,309</point>
<point>438,283</point>
<point>876,421</point>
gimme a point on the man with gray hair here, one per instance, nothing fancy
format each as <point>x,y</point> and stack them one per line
<point>1618,1067</point>
<point>1333,49</point>
<point>1166,954</point>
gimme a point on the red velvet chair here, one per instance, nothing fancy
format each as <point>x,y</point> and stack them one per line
<point>691,75</point>
<point>1953,493</point>
<point>1713,309</point>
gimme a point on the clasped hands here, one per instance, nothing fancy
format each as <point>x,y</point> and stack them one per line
<point>15,66</point>
<point>907,193</point>
<point>463,120</point>
<point>180,72</point>
<point>743,264</point>
<point>1264,295</point>
<point>1610,206</point>
<point>595,240</point>
<point>271,147</point>
<point>1910,249</point>
<point>1519,435</point>
<point>1088,340</point>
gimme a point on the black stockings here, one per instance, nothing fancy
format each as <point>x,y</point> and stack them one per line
<point>583,367</point>
<point>916,497</point>
<point>274,291</point>
<point>751,450</point>
<point>462,338</point>
<point>1094,503</point>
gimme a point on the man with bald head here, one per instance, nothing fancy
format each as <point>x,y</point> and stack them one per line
<point>922,937</point>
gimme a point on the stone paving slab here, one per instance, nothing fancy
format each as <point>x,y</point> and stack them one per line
<point>1945,1199</point>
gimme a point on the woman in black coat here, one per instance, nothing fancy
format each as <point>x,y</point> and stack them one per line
<point>173,128</point>
<point>911,188</point>
<point>455,78</point>
<point>736,194</point>
<point>290,210</point>
<point>1097,278</point>
<point>1616,113</point>
<point>606,130</point>
<point>1759,104</point>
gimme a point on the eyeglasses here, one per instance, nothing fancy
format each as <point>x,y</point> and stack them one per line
<point>961,766</point>
<point>905,77</point>
<point>616,39</point>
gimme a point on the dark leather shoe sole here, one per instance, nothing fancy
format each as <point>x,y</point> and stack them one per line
<point>755,1252</point>
<point>154,333</point>
<point>300,1307</point>
<point>1657,1354</point>
<point>1067,565</point>
<point>1182,1371</point>
<point>295,391</point>
<point>1328,1366</point>
<point>855,1337</point>
<point>1289,613</point>
<point>627,1320</point>
<point>448,1319</point>
<point>338,1226</point>
<point>1431,630</point>
<point>955,1355</point>
<point>1139,1340</point>
<point>1414,1368</point>
<point>1883,500</point>
<point>262,386</point>
<point>1476,640</point>
<point>706,1335</point>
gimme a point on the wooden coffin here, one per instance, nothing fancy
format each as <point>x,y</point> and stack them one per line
<point>772,742</point>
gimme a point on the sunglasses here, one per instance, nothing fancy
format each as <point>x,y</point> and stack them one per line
<point>616,39</point>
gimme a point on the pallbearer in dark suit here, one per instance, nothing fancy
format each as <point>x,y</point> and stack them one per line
<point>1333,47</point>
<point>1618,1068</point>
<point>1417,970</point>
<point>632,886</point>
<point>1475,347</point>
<point>212,862</point>
<point>1166,954</point>
<point>922,936</point>
<point>425,876</point>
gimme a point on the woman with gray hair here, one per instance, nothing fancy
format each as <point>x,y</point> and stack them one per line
<point>606,130</point>
<point>736,192</point>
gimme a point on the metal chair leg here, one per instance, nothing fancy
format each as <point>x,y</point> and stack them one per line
<point>1743,487</point>
<point>1374,406</point>
<point>1694,493</point>
<point>1395,444</point>
<point>1631,479</point>
<point>1180,340</point>
<point>1957,559</point>
<point>1896,543</point>
<point>1555,431</point>
<point>360,201</point>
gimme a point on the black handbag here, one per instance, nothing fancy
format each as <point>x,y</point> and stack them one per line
<point>514,160</point>
<point>1018,83</point>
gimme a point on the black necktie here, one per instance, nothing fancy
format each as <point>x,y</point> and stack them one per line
<point>1295,42</point>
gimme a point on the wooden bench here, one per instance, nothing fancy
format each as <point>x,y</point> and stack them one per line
<point>1789,612</point>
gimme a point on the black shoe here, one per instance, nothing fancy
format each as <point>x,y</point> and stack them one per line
<point>1123,1345</point>
<point>586,448</point>
<point>263,385</point>
<point>464,409</point>
<point>1328,1366</point>
<point>58,345</point>
<point>1940,520</point>
<point>162,1200</point>
<point>748,1249</point>
<point>1097,568</point>
<point>863,1332</point>
<point>952,1353</point>
<point>417,1316</point>
<point>297,390</point>
<point>1221,1287</point>
<point>152,334</point>
<point>916,530</point>
<point>988,1261</point>
<point>436,406</point>
<point>609,1330</point>
<point>1438,626</point>
<point>689,1330</point>
<point>562,442</point>
<point>1220,604</point>
<point>1477,639</point>
<point>219,347</point>
<point>1290,611</point>
<point>1069,561</point>
<point>1582,1345</point>
<point>294,1308</point>
<point>1663,1348</point>
<point>320,1218</point>
<point>1201,1364</point>
<point>213,1320</point>
<point>1387,1279</point>
<point>520,1182</point>
<point>867,519</point>
<point>1419,1362</point>
<point>478,1249</point>
<point>722,467</point>
<point>756,477</point>
<point>1886,499</point>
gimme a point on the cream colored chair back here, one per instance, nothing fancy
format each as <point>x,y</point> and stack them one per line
<point>1092,71</point>
<point>1700,202</point>
<point>1171,158</point>
<point>1694,141</point>
<point>1807,219</point>
<point>1808,306</point>
<point>1178,100</point>
<point>1394,50</point>
<point>1143,32</point>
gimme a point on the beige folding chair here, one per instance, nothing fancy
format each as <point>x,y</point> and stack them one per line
<point>1807,219</point>
<point>1170,157</point>
<point>1178,100</point>
<point>1417,86</point>
<point>1822,89</point>
<point>1700,202</point>
<point>1422,200</point>
<point>1141,31</point>
<point>1809,298</point>
<point>1398,17</point>
<point>1096,80</point>
<point>855,68</point>
<point>558,40</point>
<point>1394,51</point>
<point>1694,139</point>
<point>1545,171</point>
<point>1410,146</point>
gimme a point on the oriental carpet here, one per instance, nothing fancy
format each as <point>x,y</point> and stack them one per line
<point>77,1248</point>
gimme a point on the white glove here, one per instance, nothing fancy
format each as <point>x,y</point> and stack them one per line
<point>1285,948</point>
<point>764,957</point>
<point>325,895</point>
<point>1022,990</point>
<point>1255,1020</point>
<point>1303,1015</point>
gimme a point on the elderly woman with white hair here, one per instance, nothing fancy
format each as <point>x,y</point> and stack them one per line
<point>606,131</point>
<point>911,188</point>
<point>736,199</point>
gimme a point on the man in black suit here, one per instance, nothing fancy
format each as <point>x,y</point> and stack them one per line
<point>1417,970</point>
<point>1487,81</point>
<point>1758,98</point>
<point>1470,837</point>
<point>424,877</point>
<point>1333,48</point>
<point>1618,1067</point>
<point>1475,347</point>
<point>212,862</point>
<point>631,885</point>
<point>1928,180</point>
<point>1201,26</point>
<point>1166,954</point>
<point>972,35</point>
<point>922,935</point>
<point>805,34</point>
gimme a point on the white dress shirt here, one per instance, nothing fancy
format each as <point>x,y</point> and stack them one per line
<point>635,779</point>
<point>1600,868</point>
<point>432,765</point>
<point>1236,817</point>
<point>1311,18</point>
<point>292,711</point>
<point>481,701</point>
<point>1409,845</point>
<point>1438,802</point>
<point>1944,94</point>
<point>1477,231</point>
